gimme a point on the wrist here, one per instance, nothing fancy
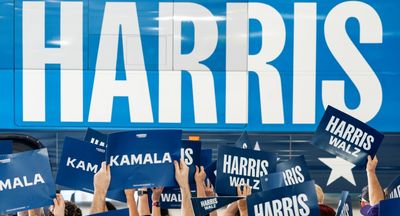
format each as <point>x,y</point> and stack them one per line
<point>100,193</point>
<point>210,194</point>
<point>130,198</point>
<point>156,199</point>
<point>184,185</point>
<point>199,181</point>
<point>156,204</point>
<point>242,204</point>
<point>185,189</point>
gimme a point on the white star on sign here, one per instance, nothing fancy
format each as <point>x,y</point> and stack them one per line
<point>340,168</point>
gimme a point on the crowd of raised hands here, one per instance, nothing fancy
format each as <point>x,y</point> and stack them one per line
<point>141,205</point>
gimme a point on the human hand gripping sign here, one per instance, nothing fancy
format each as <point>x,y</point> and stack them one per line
<point>182,175</point>
<point>210,192</point>
<point>200,175</point>
<point>101,182</point>
<point>242,204</point>
<point>58,209</point>
<point>102,179</point>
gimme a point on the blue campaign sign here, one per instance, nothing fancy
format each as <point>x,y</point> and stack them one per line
<point>96,137</point>
<point>211,172</point>
<point>143,158</point>
<point>67,64</point>
<point>394,189</point>
<point>295,171</point>
<point>191,154</point>
<point>299,199</point>
<point>6,147</point>
<point>345,208</point>
<point>347,137</point>
<point>272,181</point>
<point>204,206</point>
<point>389,207</point>
<point>121,212</point>
<point>83,159</point>
<point>171,198</point>
<point>236,166</point>
<point>26,181</point>
<point>206,157</point>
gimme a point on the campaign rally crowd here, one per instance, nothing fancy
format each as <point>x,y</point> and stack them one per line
<point>138,167</point>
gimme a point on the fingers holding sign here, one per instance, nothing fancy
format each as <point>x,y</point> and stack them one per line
<point>102,179</point>
<point>246,191</point>
<point>101,182</point>
<point>200,175</point>
<point>372,163</point>
<point>182,177</point>
<point>182,174</point>
<point>209,189</point>
<point>156,195</point>
<point>242,204</point>
<point>374,187</point>
<point>59,206</point>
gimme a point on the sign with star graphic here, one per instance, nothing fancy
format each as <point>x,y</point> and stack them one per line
<point>347,137</point>
<point>340,168</point>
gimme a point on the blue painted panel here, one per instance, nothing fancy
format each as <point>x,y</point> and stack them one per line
<point>7,34</point>
<point>381,57</point>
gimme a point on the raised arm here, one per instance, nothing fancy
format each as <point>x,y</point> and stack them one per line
<point>143,202</point>
<point>101,183</point>
<point>232,209</point>
<point>155,197</point>
<point>242,204</point>
<point>199,178</point>
<point>182,177</point>
<point>210,193</point>
<point>58,208</point>
<point>374,187</point>
<point>131,202</point>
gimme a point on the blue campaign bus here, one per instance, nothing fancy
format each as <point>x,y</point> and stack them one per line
<point>214,68</point>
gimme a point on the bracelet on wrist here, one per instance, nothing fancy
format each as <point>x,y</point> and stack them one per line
<point>156,204</point>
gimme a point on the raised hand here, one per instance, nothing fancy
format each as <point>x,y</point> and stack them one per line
<point>58,208</point>
<point>102,179</point>
<point>182,174</point>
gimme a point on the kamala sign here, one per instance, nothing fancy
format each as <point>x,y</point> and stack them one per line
<point>193,64</point>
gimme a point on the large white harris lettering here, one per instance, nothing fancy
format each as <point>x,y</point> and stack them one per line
<point>351,60</point>
<point>69,56</point>
<point>123,16</point>
<point>105,88</point>
<point>205,110</point>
